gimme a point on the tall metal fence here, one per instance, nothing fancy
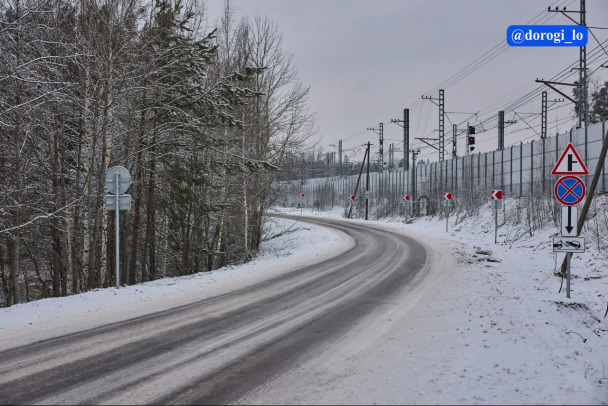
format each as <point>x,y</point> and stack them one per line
<point>519,170</point>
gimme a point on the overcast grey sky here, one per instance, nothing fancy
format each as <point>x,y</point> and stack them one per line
<point>366,61</point>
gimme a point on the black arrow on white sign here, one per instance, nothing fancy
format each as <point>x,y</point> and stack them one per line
<point>569,226</point>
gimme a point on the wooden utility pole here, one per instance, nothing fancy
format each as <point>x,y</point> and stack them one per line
<point>366,155</point>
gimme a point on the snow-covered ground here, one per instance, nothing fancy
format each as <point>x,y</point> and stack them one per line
<point>492,330</point>
<point>28,322</point>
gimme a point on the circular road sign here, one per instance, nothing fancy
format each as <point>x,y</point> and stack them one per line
<point>569,190</point>
<point>125,179</point>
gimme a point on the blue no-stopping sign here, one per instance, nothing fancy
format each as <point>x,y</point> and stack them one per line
<point>569,190</point>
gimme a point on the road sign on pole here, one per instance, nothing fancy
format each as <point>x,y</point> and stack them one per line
<point>496,195</point>
<point>496,198</point>
<point>124,202</point>
<point>570,163</point>
<point>118,180</point>
<point>569,221</point>
<point>568,244</point>
<point>447,200</point>
<point>124,178</point>
<point>569,190</point>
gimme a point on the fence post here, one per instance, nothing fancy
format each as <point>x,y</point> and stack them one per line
<point>454,174</point>
<point>521,168</point>
<point>532,167</point>
<point>472,174</point>
<point>478,169</point>
<point>493,169</point>
<point>511,171</point>
<point>543,168</point>
<point>502,169</point>
<point>485,170</point>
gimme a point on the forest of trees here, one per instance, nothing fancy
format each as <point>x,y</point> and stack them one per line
<point>202,117</point>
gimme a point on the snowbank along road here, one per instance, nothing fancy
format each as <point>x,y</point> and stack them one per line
<point>222,349</point>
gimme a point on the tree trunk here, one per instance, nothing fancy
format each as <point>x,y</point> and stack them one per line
<point>165,246</point>
<point>220,226</point>
<point>138,196</point>
<point>107,148</point>
<point>62,199</point>
<point>86,170</point>
<point>41,281</point>
<point>17,181</point>
<point>5,288</point>
<point>150,237</point>
<point>245,208</point>
<point>56,260</point>
<point>59,277</point>
<point>94,275</point>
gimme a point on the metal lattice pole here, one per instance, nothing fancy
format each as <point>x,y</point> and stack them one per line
<point>441,124</point>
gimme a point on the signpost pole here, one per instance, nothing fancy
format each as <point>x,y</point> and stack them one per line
<point>570,190</point>
<point>117,214</point>
<point>568,257</point>
<point>496,199</point>
<point>113,184</point>
<point>447,202</point>
<point>447,217</point>
<point>495,225</point>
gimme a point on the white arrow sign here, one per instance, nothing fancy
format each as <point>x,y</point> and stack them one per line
<point>496,195</point>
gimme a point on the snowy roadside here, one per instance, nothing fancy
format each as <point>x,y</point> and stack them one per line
<point>288,245</point>
<point>495,331</point>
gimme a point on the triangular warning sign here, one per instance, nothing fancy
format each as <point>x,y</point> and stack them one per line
<point>570,163</point>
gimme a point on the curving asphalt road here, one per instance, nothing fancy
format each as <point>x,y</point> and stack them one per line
<point>217,350</point>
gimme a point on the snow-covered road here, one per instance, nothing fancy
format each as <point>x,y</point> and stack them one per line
<point>220,348</point>
<point>488,326</point>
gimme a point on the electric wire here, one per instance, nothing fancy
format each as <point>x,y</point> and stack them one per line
<point>513,104</point>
